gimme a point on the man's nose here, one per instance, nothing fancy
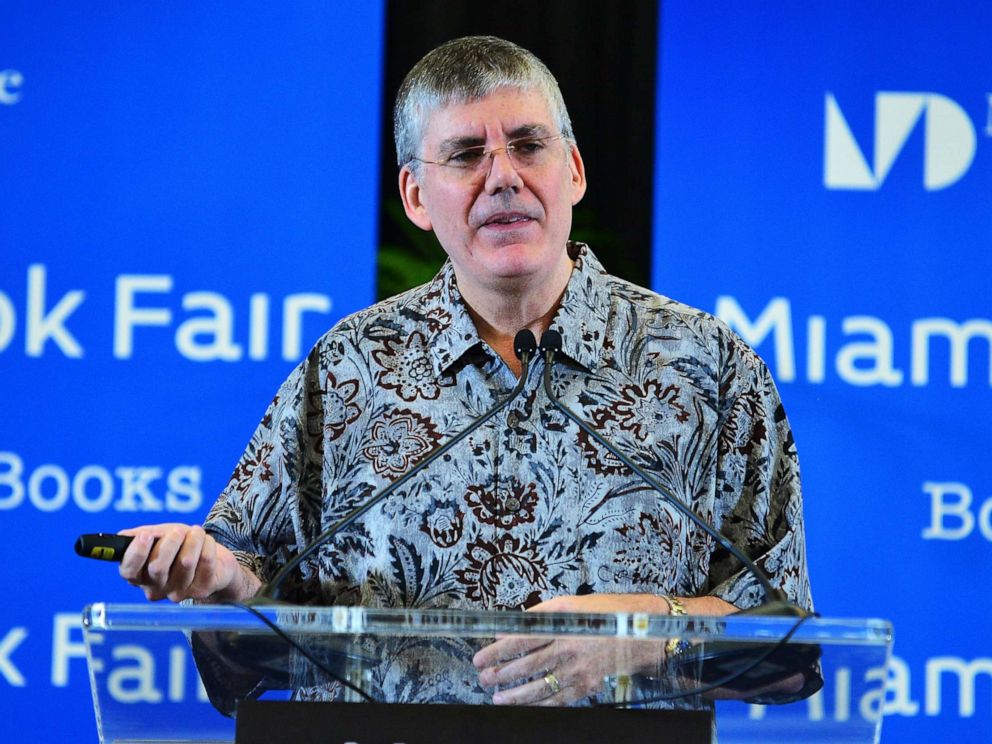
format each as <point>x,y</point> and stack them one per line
<point>502,173</point>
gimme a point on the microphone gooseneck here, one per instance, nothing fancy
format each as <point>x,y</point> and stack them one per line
<point>777,602</point>
<point>524,346</point>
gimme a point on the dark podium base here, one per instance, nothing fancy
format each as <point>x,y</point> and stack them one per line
<point>265,722</point>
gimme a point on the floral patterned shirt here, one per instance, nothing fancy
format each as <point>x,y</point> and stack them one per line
<point>528,507</point>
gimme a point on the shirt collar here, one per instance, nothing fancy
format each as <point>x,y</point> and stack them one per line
<point>456,332</point>
<point>584,313</point>
<point>581,319</point>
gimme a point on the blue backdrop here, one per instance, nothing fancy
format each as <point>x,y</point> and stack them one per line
<point>823,183</point>
<point>188,200</point>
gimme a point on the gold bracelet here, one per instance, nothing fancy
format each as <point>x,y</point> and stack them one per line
<point>675,646</point>
<point>675,606</point>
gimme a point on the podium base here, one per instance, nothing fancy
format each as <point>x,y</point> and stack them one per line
<point>264,722</point>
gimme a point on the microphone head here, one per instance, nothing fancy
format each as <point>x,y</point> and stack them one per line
<point>524,343</point>
<point>550,341</point>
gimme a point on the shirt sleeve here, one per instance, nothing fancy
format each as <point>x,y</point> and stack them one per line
<point>265,512</point>
<point>759,500</point>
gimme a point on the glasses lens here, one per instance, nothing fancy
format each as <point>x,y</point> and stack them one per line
<point>528,152</point>
<point>525,152</point>
<point>469,158</point>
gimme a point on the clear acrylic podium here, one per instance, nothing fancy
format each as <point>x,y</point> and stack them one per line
<point>168,673</point>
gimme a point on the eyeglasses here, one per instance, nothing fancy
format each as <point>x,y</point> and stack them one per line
<point>524,152</point>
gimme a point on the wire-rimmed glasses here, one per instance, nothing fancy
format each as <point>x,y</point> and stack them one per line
<point>523,152</point>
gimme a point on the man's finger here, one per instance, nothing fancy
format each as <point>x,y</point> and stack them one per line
<point>529,693</point>
<point>205,577</point>
<point>135,557</point>
<point>184,565</point>
<point>507,648</point>
<point>534,664</point>
<point>163,554</point>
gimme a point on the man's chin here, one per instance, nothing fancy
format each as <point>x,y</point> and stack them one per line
<point>511,265</point>
<point>514,261</point>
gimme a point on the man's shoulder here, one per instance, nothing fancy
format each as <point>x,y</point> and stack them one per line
<point>659,310</point>
<point>390,317</point>
<point>641,311</point>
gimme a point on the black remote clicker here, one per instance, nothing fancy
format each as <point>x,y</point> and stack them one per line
<point>103,546</point>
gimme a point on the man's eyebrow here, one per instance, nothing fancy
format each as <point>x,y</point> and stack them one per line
<point>529,130</point>
<point>458,143</point>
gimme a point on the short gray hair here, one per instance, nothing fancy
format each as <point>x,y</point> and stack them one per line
<point>464,70</point>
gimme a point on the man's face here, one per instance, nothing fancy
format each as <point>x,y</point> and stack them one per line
<point>503,227</point>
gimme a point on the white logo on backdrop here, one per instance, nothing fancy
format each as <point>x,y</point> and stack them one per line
<point>863,347</point>
<point>948,150</point>
<point>954,514</point>
<point>10,83</point>
<point>207,336</point>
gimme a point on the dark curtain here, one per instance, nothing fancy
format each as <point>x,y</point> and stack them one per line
<point>604,57</point>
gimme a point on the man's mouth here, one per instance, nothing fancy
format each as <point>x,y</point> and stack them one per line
<point>506,218</point>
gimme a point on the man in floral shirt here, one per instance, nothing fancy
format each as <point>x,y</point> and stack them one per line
<point>528,512</point>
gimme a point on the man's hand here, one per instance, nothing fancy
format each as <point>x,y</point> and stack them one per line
<point>180,562</point>
<point>534,671</point>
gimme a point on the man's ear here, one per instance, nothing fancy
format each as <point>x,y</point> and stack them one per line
<point>413,205</point>
<point>578,169</point>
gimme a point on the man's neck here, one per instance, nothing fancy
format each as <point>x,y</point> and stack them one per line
<point>499,316</point>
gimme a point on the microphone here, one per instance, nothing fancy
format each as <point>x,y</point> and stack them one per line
<point>735,666</point>
<point>524,346</point>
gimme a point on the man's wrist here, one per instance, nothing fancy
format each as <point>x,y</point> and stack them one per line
<point>243,585</point>
<point>675,644</point>
<point>675,606</point>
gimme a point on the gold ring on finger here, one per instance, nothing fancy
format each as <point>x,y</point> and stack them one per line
<point>552,682</point>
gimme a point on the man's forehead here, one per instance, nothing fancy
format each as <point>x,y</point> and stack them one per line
<point>514,111</point>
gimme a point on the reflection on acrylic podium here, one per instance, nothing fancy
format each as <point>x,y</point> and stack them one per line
<point>350,674</point>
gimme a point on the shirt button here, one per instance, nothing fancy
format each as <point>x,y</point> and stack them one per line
<point>512,504</point>
<point>512,420</point>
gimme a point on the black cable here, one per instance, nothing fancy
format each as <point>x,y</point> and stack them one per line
<point>524,346</point>
<point>551,345</point>
<point>271,590</point>
<point>719,683</point>
<point>304,652</point>
<point>776,600</point>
